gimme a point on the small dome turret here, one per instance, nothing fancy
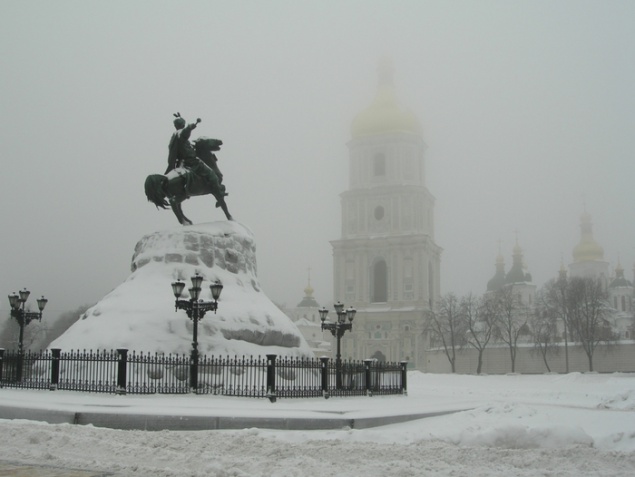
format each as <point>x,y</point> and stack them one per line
<point>619,280</point>
<point>516,273</point>
<point>498,280</point>
<point>308,301</point>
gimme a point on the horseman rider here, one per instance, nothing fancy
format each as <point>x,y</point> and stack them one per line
<point>181,152</point>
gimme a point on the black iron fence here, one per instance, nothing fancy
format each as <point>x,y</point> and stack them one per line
<point>120,371</point>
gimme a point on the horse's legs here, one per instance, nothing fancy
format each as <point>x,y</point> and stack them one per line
<point>221,203</point>
<point>185,220</point>
<point>178,211</point>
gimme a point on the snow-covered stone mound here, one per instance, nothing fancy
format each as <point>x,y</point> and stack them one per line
<point>139,314</point>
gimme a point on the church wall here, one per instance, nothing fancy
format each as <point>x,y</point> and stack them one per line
<point>591,268</point>
<point>354,262</point>
<point>397,335</point>
<point>618,357</point>
<point>387,211</point>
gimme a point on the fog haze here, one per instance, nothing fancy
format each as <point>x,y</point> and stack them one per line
<point>527,110</point>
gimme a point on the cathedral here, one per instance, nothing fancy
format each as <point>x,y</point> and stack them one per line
<point>306,317</point>
<point>386,263</point>
<point>588,261</point>
<point>588,255</point>
<point>516,277</point>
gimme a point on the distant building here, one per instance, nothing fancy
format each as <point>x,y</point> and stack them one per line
<point>386,263</point>
<point>588,261</point>
<point>516,277</point>
<point>588,255</point>
<point>621,297</point>
<point>306,317</point>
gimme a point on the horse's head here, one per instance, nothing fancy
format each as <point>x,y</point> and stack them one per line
<point>205,146</point>
<point>155,190</point>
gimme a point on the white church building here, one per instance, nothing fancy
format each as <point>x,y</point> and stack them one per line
<point>386,263</point>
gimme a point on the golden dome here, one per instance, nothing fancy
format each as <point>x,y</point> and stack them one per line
<point>384,114</point>
<point>588,249</point>
<point>308,291</point>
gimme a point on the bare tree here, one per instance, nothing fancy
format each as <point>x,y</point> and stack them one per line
<point>511,319</point>
<point>447,327</point>
<point>588,309</point>
<point>34,334</point>
<point>38,335</point>
<point>543,323</point>
<point>479,324</point>
<point>554,301</point>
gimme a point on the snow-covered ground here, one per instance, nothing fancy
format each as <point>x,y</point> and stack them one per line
<point>547,425</point>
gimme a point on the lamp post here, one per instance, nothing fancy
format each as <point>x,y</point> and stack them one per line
<point>337,329</point>
<point>196,309</point>
<point>23,317</point>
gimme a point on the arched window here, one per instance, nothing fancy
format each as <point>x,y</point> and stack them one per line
<point>623,303</point>
<point>379,356</point>
<point>379,281</point>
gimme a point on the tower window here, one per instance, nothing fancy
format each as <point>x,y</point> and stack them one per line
<point>379,282</point>
<point>379,165</point>
<point>379,212</point>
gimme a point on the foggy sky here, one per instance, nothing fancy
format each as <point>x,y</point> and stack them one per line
<point>527,109</point>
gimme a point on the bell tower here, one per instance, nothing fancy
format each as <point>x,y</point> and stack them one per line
<point>386,263</point>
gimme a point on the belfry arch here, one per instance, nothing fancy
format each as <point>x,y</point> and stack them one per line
<point>379,281</point>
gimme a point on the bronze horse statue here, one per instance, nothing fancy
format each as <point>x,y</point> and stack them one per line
<point>180,184</point>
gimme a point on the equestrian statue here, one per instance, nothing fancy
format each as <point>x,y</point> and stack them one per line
<point>192,170</point>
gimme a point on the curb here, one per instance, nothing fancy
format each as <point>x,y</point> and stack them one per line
<point>156,422</point>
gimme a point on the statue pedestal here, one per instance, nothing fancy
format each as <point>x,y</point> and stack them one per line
<point>139,314</point>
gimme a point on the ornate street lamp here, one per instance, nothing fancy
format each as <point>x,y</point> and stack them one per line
<point>23,317</point>
<point>337,329</point>
<point>196,309</point>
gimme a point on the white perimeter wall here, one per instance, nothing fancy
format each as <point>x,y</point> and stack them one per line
<point>496,360</point>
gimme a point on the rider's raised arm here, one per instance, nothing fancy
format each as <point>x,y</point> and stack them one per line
<point>188,129</point>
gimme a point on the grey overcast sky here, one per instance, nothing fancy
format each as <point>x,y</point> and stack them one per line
<point>527,108</point>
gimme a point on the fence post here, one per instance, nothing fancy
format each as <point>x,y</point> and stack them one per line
<point>1,364</point>
<point>271,377</point>
<point>404,377</point>
<point>324,368</point>
<point>55,368</point>
<point>194,371</point>
<point>122,359</point>
<point>367,377</point>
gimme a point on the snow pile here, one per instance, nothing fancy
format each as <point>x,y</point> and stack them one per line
<point>512,426</point>
<point>139,314</point>
<point>515,426</point>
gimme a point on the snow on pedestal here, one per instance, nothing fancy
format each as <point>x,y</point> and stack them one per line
<point>139,314</point>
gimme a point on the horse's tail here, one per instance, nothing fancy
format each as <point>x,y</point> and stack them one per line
<point>155,187</point>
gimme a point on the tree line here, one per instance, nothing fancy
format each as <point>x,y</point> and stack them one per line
<point>563,312</point>
<point>39,334</point>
